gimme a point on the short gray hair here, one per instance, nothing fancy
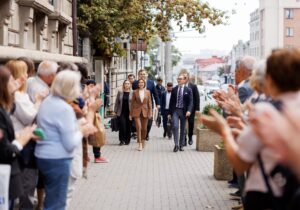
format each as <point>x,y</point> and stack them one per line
<point>66,85</point>
<point>248,62</point>
<point>257,80</point>
<point>47,68</point>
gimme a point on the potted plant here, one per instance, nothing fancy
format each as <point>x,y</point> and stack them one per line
<point>206,139</point>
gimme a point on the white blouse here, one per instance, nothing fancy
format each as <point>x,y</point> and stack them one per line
<point>25,112</point>
<point>142,95</point>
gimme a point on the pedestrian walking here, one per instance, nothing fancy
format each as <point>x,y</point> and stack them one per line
<point>165,106</point>
<point>153,92</point>
<point>141,111</point>
<point>196,107</point>
<point>181,106</point>
<point>122,110</point>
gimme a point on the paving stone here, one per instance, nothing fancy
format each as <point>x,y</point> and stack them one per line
<point>156,178</point>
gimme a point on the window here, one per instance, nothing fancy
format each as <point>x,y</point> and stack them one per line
<point>289,13</point>
<point>289,32</point>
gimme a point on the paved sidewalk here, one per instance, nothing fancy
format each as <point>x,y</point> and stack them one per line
<point>156,178</point>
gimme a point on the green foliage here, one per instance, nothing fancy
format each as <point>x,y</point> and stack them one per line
<point>108,22</point>
<point>151,73</point>
<point>211,106</point>
<point>176,56</point>
<point>221,70</point>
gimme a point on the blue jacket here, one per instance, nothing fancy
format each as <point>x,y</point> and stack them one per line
<point>187,100</point>
<point>151,87</point>
<point>245,91</point>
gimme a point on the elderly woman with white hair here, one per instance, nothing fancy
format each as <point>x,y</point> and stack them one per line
<point>62,135</point>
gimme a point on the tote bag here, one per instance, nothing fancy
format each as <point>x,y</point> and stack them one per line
<point>98,139</point>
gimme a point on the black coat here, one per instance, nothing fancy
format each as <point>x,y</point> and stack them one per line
<point>196,97</point>
<point>187,100</point>
<point>9,154</point>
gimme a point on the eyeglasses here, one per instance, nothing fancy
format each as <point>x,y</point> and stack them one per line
<point>179,78</point>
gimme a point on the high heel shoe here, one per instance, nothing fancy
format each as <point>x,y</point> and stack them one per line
<point>140,147</point>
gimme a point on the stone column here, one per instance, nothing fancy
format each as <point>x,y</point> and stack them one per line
<point>6,11</point>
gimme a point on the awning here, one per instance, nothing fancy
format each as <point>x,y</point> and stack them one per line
<point>7,53</point>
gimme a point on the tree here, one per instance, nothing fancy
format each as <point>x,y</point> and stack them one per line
<point>108,22</point>
<point>176,56</point>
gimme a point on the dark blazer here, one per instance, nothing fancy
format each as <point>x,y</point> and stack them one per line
<point>187,100</point>
<point>9,154</point>
<point>160,90</point>
<point>151,87</point>
<point>196,96</point>
<point>163,104</point>
<point>138,107</point>
<point>119,102</point>
<point>245,91</point>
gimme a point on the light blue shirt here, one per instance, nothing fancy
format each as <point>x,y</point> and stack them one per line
<point>58,121</point>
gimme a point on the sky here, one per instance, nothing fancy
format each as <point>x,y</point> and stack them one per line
<point>219,38</point>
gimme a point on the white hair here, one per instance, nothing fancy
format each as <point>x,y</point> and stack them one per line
<point>248,62</point>
<point>66,85</point>
<point>47,68</point>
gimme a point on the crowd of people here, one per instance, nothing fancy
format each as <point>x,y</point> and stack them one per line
<point>259,126</point>
<point>135,102</point>
<point>260,130</point>
<point>59,100</point>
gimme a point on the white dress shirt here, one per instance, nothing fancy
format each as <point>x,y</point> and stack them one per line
<point>168,97</point>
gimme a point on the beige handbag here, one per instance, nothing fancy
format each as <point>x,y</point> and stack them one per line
<point>98,139</point>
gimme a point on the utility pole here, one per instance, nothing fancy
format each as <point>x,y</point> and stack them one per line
<point>168,61</point>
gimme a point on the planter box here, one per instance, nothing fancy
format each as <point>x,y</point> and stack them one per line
<point>222,168</point>
<point>206,140</point>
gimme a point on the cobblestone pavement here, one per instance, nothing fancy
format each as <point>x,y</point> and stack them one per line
<point>156,178</point>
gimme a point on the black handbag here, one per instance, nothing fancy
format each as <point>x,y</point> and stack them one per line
<point>114,124</point>
<point>158,120</point>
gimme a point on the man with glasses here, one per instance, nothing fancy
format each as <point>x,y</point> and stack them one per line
<point>181,106</point>
<point>153,92</point>
<point>196,106</point>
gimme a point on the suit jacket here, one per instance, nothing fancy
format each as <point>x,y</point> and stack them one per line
<point>160,90</point>
<point>151,87</point>
<point>163,104</point>
<point>196,97</point>
<point>138,107</point>
<point>10,154</point>
<point>187,100</point>
<point>245,91</point>
<point>119,102</point>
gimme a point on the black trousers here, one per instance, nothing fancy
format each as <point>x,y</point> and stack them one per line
<point>191,120</point>
<point>124,128</point>
<point>150,121</point>
<point>97,152</point>
<point>165,120</point>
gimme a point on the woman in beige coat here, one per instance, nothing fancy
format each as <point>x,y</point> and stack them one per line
<point>141,111</point>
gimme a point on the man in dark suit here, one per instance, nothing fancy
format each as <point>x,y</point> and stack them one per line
<point>196,107</point>
<point>181,107</point>
<point>151,87</point>
<point>159,87</point>
<point>165,104</point>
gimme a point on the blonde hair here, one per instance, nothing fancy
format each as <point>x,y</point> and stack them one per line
<point>66,85</point>
<point>17,68</point>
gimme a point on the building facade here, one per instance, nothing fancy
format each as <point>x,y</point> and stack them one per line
<point>279,25</point>
<point>38,29</point>
<point>254,42</point>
